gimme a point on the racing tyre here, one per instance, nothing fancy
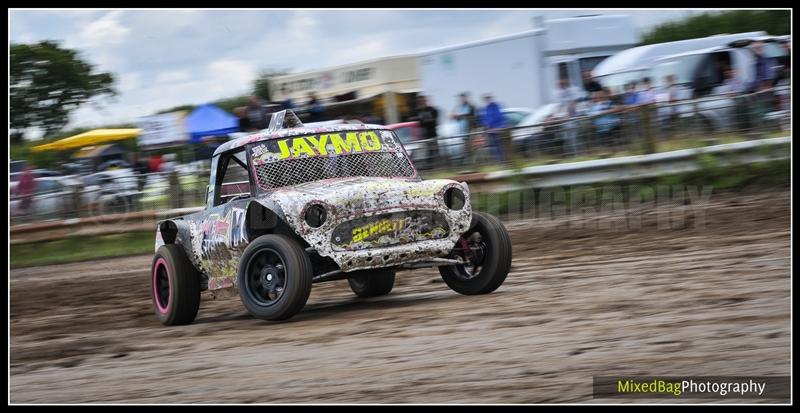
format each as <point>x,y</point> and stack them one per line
<point>486,246</point>
<point>274,277</point>
<point>372,283</point>
<point>175,286</point>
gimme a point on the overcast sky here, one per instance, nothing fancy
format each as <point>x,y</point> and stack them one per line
<point>165,58</point>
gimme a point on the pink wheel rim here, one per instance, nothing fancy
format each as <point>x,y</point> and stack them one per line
<point>160,263</point>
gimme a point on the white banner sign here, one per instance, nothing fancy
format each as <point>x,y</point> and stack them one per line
<point>162,129</point>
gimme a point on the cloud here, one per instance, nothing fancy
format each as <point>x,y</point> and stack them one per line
<point>173,76</point>
<point>104,31</point>
<point>165,58</point>
<point>129,81</point>
<point>366,50</point>
<point>302,26</point>
<point>230,77</point>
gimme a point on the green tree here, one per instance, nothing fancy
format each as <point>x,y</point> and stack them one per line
<point>262,85</point>
<point>47,83</point>
<point>181,108</point>
<point>774,22</point>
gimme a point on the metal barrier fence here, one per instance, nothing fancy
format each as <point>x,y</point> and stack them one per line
<point>109,193</point>
<point>621,131</point>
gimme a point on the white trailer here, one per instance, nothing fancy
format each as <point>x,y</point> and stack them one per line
<point>521,70</point>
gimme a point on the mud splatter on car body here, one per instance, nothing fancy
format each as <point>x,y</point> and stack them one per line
<point>346,192</point>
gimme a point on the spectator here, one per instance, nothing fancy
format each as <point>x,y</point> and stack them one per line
<point>244,121</point>
<point>286,101</point>
<point>630,127</point>
<point>493,119</point>
<point>669,94</point>
<point>140,169</point>
<point>257,114</point>
<point>674,91</point>
<point>764,68</point>
<point>25,188</point>
<point>606,122</point>
<point>647,94</point>
<point>170,163</point>
<point>155,163</point>
<point>630,97</point>
<point>735,87</point>
<point>464,114</point>
<point>590,85</point>
<point>315,108</point>
<point>732,85</point>
<point>785,62</point>
<point>466,117</point>
<point>428,118</point>
<point>765,75</point>
<point>567,98</point>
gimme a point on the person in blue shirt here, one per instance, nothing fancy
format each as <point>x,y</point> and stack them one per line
<point>286,101</point>
<point>631,96</point>
<point>765,68</point>
<point>315,108</point>
<point>605,121</point>
<point>492,119</point>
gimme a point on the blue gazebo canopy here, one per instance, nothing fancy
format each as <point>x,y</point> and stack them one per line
<point>210,120</point>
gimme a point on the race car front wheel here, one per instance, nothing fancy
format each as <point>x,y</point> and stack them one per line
<point>486,251</point>
<point>372,283</point>
<point>175,286</point>
<point>274,277</point>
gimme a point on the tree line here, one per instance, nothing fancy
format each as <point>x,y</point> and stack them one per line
<point>774,22</point>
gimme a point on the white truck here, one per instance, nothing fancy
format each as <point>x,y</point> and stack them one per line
<point>683,56</point>
<point>522,70</point>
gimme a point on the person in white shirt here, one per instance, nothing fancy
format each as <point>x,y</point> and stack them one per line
<point>732,85</point>
<point>647,93</point>
<point>668,96</point>
<point>567,97</point>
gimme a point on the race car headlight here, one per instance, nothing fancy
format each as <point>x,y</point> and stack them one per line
<point>316,215</point>
<point>454,198</point>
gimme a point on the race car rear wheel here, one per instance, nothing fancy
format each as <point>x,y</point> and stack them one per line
<point>274,277</point>
<point>486,247</point>
<point>372,283</point>
<point>175,286</point>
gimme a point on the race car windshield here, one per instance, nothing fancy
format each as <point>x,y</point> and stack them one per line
<point>299,159</point>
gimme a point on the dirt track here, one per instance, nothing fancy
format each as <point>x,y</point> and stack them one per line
<point>578,303</point>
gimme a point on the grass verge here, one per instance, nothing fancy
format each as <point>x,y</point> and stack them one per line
<point>81,248</point>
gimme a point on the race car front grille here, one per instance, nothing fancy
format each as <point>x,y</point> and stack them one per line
<point>287,172</point>
<point>389,229</point>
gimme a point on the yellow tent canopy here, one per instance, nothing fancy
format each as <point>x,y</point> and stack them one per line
<point>92,137</point>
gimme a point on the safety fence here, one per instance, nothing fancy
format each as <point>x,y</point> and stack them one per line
<point>604,131</point>
<point>616,132</point>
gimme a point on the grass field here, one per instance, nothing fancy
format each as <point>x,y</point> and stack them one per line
<point>81,248</point>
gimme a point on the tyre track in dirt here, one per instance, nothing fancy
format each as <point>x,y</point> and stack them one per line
<point>579,302</point>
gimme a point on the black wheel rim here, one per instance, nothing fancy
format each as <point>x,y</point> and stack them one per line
<point>162,286</point>
<point>358,282</point>
<point>472,249</point>
<point>265,280</point>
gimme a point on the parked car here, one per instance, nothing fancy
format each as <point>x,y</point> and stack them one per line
<point>533,134</point>
<point>409,134</point>
<point>38,173</point>
<point>291,206</point>
<point>118,190</point>
<point>53,196</point>
<point>451,141</point>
